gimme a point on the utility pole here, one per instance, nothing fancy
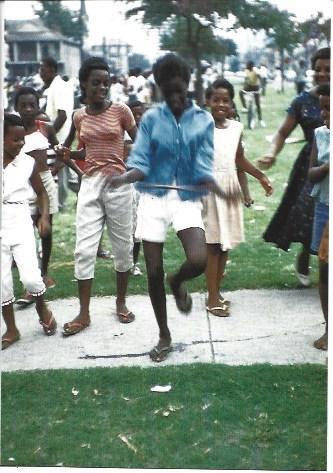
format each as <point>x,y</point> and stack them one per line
<point>83,19</point>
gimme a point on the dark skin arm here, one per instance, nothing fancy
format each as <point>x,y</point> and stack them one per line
<point>43,223</point>
<point>279,139</point>
<point>245,165</point>
<point>60,120</point>
<point>317,173</point>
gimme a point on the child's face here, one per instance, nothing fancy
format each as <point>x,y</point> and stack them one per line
<point>324,102</point>
<point>13,141</point>
<point>137,113</point>
<point>175,93</point>
<point>97,86</point>
<point>220,104</point>
<point>27,106</point>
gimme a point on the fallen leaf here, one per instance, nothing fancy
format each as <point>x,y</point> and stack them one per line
<point>125,398</point>
<point>60,464</point>
<point>205,406</point>
<point>207,450</point>
<point>11,459</point>
<point>37,450</point>
<point>157,411</point>
<point>58,421</point>
<point>174,408</point>
<point>259,207</point>
<point>165,413</point>
<point>161,389</point>
<point>85,445</point>
<point>75,392</point>
<point>124,439</point>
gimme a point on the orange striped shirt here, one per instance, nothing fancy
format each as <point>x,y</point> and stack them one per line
<point>102,136</point>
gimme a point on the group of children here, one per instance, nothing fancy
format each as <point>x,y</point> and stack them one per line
<point>185,162</point>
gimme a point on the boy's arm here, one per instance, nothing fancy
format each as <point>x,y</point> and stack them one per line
<point>317,173</point>
<point>43,224</point>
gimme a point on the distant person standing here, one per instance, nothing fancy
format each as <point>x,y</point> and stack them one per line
<point>300,78</point>
<point>252,84</point>
<point>59,107</point>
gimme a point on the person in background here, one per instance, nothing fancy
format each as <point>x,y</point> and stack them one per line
<point>300,77</point>
<point>319,176</point>
<point>293,219</point>
<point>252,84</point>
<point>263,72</point>
<point>59,107</point>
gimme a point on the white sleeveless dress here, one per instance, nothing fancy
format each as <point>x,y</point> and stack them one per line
<point>223,220</point>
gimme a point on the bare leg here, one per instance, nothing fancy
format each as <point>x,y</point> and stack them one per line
<point>82,320</point>
<point>241,96</point>
<point>153,253</point>
<point>212,274</point>
<point>257,100</point>
<point>45,316</point>
<point>322,342</point>
<point>194,244</point>
<point>12,334</point>
<point>46,251</point>
<point>303,260</point>
<point>136,251</point>
<point>125,316</point>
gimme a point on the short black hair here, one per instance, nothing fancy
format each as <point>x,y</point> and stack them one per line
<point>90,64</point>
<point>169,66</point>
<point>324,89</point>
<point>25,91</point>
<point>220,83</point>
<point>323,53</point>
<point>9,120</point>
<point>50,62</point>
<point>135,103</point>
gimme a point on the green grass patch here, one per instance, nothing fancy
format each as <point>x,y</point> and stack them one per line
<point>254,264</point>
<point>214,417</point>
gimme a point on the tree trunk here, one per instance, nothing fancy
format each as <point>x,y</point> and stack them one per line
<point>282,69</point>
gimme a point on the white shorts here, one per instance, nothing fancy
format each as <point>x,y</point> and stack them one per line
<point>155,214</point>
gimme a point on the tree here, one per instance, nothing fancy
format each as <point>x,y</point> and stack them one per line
<point>68,22</point>
<point>284,36</point>
<point>138,60</point>
<point>198,18</point>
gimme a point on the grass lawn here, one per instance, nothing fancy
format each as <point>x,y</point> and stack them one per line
<point>215,416</point>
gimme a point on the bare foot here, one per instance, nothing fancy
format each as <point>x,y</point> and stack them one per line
<point>182,297</point>
<point>322,342</point>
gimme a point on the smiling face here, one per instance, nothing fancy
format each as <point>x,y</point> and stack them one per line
<point>27,107</point>
<point>324,102</point>
<point>175,94</point>
<point>322,71</point>
<point>96,87</point>
<point>220,104</point>
<point>13,141</point>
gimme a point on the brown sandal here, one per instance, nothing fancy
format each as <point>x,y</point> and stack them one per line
<point>49,328</point>
<point>72,328</point>
<point>125,317</point>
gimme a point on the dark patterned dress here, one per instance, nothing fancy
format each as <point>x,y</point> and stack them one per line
<point>292,221</point>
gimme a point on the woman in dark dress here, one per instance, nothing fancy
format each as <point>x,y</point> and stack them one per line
<point>292,221</point>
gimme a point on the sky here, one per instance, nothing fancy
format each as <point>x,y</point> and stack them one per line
<point>106,19</point>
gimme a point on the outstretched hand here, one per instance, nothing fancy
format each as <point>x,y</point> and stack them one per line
<point>266,162</point>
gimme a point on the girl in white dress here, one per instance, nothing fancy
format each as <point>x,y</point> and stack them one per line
<point>224,220</point>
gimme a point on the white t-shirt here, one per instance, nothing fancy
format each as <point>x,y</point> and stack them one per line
<point>60,96</point>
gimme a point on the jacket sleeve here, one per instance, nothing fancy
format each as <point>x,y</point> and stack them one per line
<point>203,171</point>
<point>140,155</point>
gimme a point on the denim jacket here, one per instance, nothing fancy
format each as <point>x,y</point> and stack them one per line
<point>167,151</point>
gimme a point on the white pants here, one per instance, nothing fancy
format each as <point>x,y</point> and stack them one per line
<point>98,204</point>
<point>25,256</point>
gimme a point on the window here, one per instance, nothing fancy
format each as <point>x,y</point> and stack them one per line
<point>27,51</point>
<point>50,48</point>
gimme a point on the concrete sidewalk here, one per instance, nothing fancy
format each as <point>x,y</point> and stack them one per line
<point>266,326</point>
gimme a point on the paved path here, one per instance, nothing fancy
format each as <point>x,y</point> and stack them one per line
<point>266,326</point>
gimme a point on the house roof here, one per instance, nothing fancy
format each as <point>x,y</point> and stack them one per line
<point>32,30</point>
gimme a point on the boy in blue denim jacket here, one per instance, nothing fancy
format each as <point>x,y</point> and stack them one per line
<point>173,147</point>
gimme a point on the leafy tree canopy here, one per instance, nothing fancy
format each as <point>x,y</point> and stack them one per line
<point>60,18</point>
